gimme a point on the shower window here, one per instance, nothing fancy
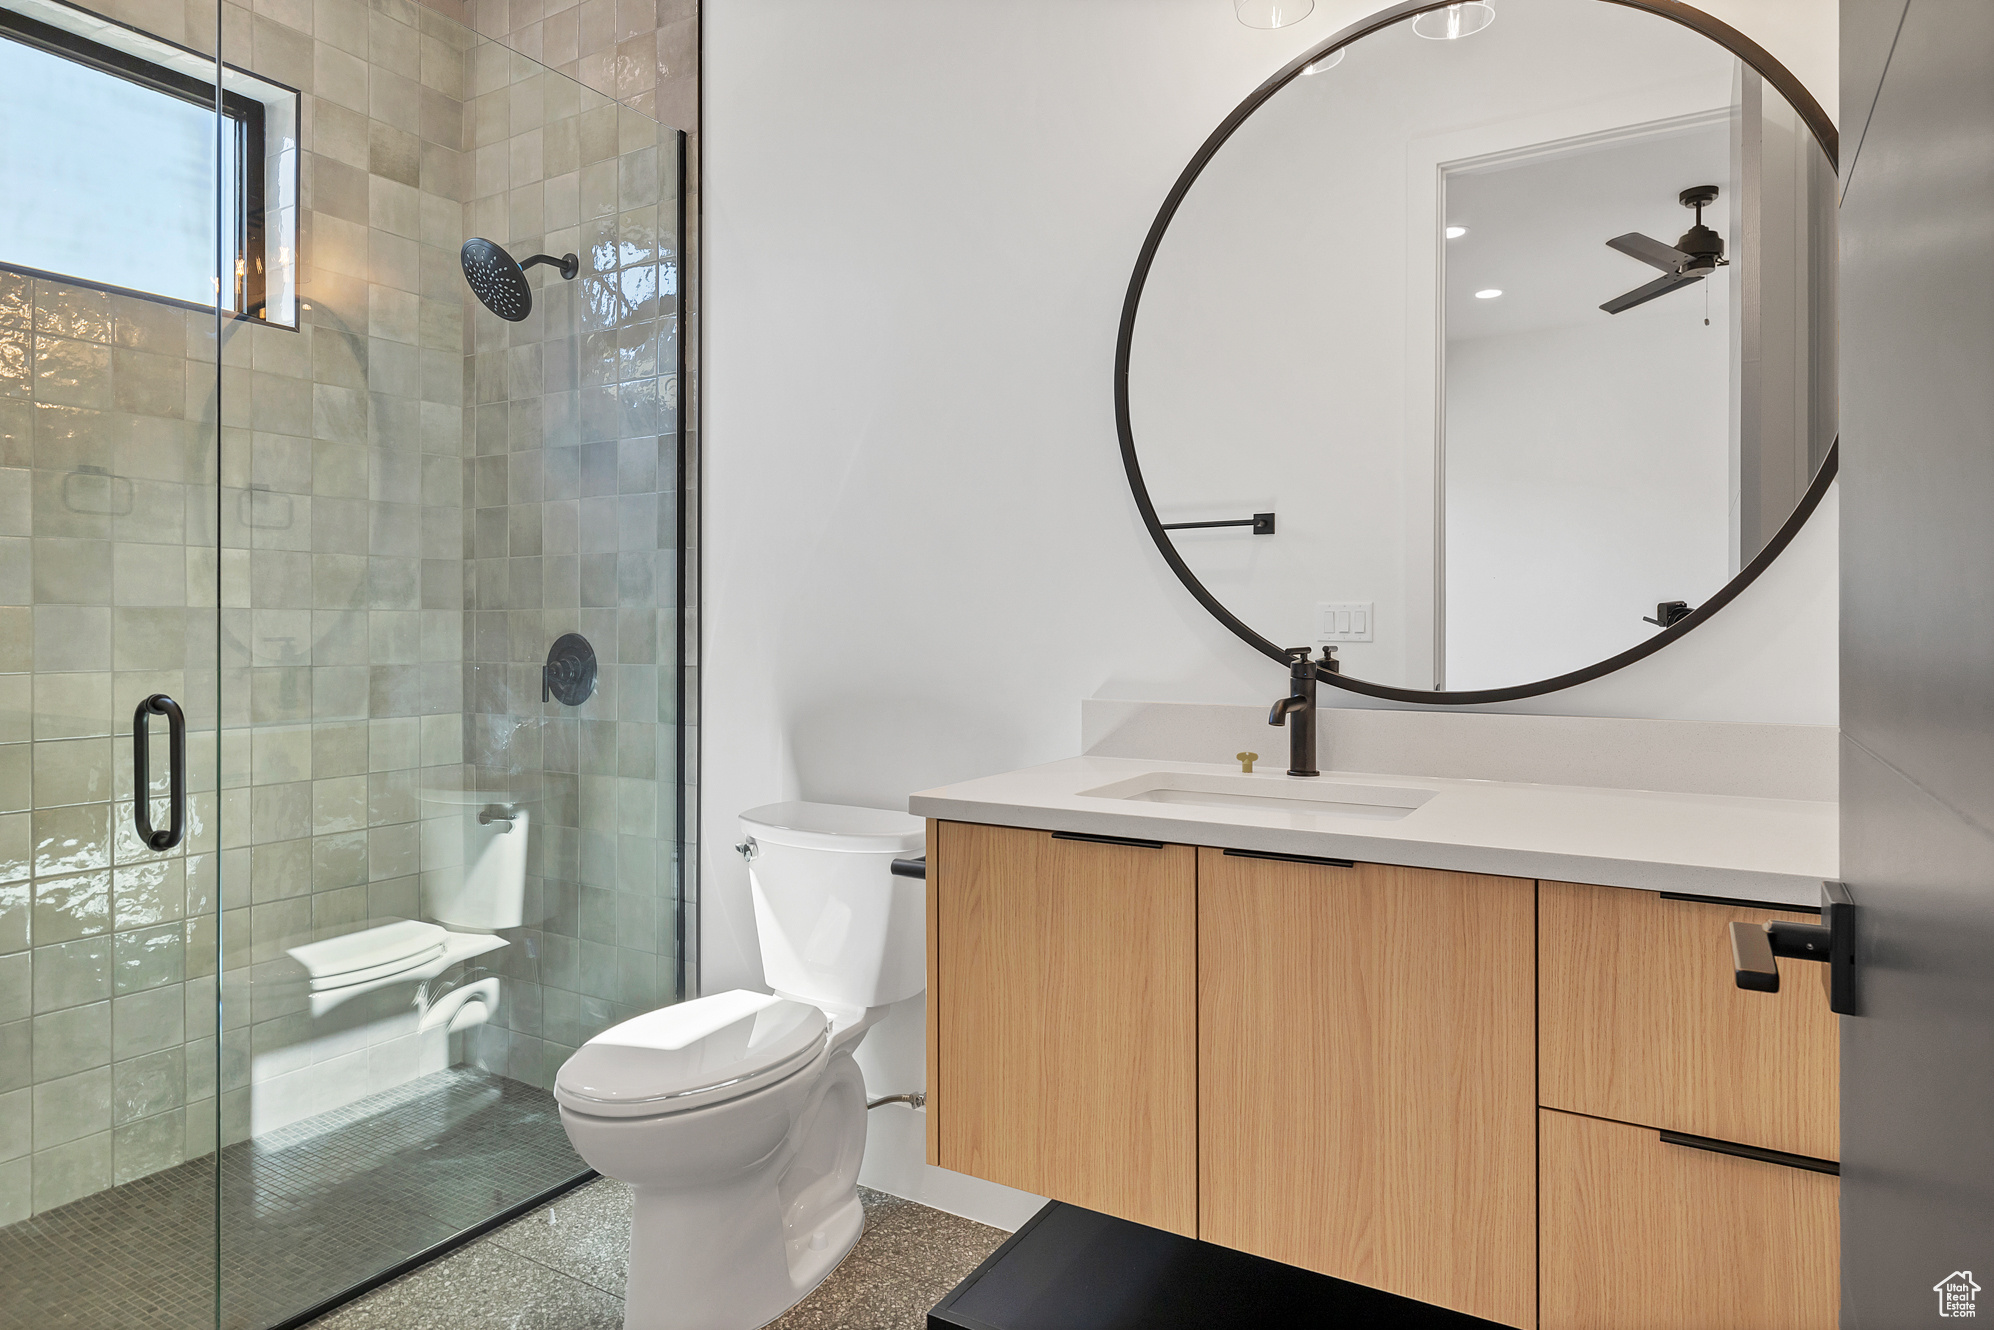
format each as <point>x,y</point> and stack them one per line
<point>108,142</point>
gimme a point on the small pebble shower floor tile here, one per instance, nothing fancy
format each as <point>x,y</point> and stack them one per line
<point>562,1268</point>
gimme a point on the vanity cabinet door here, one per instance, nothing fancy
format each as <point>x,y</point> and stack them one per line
<point>1640,1234</point>
<point>1064,998</point>
<point>1643,1021</point>
<point>1367,1078</point>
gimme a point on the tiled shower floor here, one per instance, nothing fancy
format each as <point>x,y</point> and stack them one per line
<point>307,1211</point>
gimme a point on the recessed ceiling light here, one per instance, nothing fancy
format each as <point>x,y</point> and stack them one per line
<point>1330,61</point>
<point>1456,232</point>
<point>1445,25</point>
<point>1489,294</point>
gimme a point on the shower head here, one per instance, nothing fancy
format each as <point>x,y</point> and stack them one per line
<point>500,283</point>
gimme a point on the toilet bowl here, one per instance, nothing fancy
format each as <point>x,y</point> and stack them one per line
<point>738,1119</point>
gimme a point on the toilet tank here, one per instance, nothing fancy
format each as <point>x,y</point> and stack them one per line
<point>836,925</point>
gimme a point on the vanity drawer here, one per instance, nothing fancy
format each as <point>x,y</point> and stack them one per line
<point>1641,1234</point>
<point>1640,1020</point>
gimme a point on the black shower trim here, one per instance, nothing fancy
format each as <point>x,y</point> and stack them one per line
<point>1724,35</point>
<point>684,596</point>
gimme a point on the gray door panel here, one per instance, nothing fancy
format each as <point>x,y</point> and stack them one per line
<point>1918,658</point>
<point>1868,28</point>
<point>1918,1065</point>
<point>1917,388</point>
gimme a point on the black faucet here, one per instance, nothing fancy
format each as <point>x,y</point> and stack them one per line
<point>1299,703</point>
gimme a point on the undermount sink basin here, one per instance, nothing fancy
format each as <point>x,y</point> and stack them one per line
<point>1281,794</point>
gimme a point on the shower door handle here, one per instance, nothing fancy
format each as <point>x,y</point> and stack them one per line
<point>159,704</point>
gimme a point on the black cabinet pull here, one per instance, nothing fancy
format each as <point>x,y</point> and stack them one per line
<point>1293,858</point>
<point>159,704</point>
<point>915,867</point>
<point>1781,1157</point>
<point>1738,901</point>
<point>1108,840</point>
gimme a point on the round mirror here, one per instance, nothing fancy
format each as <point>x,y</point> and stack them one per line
<point>1493,355</point>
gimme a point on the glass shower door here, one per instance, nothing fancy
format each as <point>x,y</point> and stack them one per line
<point>278,489</point>
<point>109,859</point>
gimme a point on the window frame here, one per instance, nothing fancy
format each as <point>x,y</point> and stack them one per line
<point>243,115</point>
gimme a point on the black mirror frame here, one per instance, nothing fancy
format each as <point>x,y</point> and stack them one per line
<point>1724,35</point>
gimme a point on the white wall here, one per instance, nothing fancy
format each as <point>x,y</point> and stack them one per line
<point>920,550</point>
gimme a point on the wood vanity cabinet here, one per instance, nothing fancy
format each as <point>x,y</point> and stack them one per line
<point>1063,1018</point>
<point>1367,1103</point>
<point>1536,1102</point>
<point>1643,1032</point>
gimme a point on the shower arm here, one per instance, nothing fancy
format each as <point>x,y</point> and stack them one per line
<point>568,264</point>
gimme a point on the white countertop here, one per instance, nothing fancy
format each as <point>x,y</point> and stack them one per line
<point>1773,850</point>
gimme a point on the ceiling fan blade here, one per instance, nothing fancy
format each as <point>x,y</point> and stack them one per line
<point>1661,286</point>
<point>1650,251</point>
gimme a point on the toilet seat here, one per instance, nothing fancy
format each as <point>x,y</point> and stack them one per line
<point>692,1055</point>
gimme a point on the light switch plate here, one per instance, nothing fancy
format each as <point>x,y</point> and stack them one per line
<point>1344,621</point>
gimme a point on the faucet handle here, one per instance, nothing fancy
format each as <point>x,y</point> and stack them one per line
<point>1246,761</point>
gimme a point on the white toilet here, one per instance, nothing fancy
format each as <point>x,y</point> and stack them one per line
<point>738,1119</point>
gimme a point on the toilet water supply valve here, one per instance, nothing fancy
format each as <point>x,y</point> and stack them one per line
<point>916,1099</point>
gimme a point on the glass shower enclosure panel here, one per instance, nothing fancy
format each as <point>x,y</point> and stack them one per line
<point>447,648</point>
<point>371,587</point>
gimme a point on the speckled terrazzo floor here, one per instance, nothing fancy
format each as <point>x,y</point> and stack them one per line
<point>562,1268</point>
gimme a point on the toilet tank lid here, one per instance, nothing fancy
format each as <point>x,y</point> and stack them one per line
<point>836,827</point>
<point>691,1055</point>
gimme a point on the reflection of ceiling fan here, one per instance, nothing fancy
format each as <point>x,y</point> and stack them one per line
<point>1690,259</point>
